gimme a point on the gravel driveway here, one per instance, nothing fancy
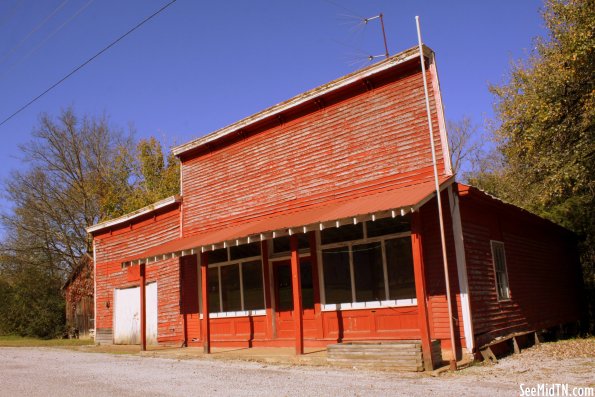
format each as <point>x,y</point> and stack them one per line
<point>51,371</point>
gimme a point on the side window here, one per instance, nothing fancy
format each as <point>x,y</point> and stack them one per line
<point>499,258</point>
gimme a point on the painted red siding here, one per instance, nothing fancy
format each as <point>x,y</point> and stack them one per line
<point>434,269</point>
<point>360,143</point>
<point>112,247</point>
<point>542,269</point>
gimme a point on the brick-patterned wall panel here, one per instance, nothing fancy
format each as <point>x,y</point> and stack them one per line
<point>364,142</point>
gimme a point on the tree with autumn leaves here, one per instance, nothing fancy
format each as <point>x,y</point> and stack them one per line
<point>78,171</point>
<point>545,129</point>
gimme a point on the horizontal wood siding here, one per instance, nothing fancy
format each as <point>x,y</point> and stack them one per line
<point>434,270</point>
<point>364,142</point>
<point>112,247</point>
<point>542,270</point>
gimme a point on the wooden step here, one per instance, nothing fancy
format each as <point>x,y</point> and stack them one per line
<point>399,355</point>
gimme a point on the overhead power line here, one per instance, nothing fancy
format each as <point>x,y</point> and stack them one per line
<point>82,65</point>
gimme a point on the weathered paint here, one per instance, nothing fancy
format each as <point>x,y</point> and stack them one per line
<point>357,142</point>
<point>127,324</point>
<point>542,269</point>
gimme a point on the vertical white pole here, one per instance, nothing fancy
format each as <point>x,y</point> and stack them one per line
<point>453,361</point>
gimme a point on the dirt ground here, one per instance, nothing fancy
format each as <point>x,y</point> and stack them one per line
<point>58,371</point>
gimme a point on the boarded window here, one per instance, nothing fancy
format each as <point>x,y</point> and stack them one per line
<point>499,258</point>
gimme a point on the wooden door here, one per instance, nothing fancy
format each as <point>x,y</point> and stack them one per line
<point>284,296</point>
<point>127,315</point>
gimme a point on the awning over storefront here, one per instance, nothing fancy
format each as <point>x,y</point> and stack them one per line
<point>395,202</point>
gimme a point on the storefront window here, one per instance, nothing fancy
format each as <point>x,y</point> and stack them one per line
<point>363,267</point>
<point>368,272</point>
<point>337,278</point>
<point>253,291</point>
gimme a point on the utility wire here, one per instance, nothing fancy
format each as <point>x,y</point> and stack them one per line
<point>147,19</point>
<point>35,29</point>
<point>46,39</point>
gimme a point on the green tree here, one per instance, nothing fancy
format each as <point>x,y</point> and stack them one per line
<point>545,115</point>
<point>157,176</point>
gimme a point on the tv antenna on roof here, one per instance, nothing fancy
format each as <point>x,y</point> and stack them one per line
<point>381,17</point>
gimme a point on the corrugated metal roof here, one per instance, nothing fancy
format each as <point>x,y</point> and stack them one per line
<point>404,198</point>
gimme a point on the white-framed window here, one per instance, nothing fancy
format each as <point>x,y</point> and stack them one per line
<point>501,273</point>
<point>235,281</point>
<point>368,264</point>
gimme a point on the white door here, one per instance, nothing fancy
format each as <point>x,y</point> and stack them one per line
<point>127,315</point>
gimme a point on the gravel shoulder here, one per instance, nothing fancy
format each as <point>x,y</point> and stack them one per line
<point>54,371</point>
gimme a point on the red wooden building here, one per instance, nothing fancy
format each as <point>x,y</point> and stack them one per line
<point>315,222</point>
<point>78,293</point>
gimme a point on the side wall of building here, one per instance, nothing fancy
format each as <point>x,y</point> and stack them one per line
<point>362,140</point>
<point>434,273</point>
<point>113,246</point>
<point>543,273</point>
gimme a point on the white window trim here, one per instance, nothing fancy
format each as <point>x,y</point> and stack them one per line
<point>368,305</point>
<point>238,313</point>
<point>348,244</point>
<point>241,313</point>
<point>501,243</point>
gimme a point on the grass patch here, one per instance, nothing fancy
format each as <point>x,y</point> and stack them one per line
<point>19,341</point>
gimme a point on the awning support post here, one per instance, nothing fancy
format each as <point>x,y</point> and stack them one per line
<point>206,326</point>
<point>297,295</point>
<point>143,308</point>
<point>420,291</point>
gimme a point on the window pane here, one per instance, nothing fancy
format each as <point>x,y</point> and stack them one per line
<point>217,256</point>
<point>284,288</point>
<point>368,273</point>
<point>281,244</point>
<point>230,288</point>
<point>342,233</point>
<point>244,251</point>
<point>337,280</point>
<point>389,225</point>
<point>399,266</point>
<point>213,278</point>
<point>253,290</point>
<point>499,258</point>
<point>307,285</point>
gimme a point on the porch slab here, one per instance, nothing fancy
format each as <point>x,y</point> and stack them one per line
<point>272,355</point>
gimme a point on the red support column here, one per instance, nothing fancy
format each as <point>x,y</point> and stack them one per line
<point>143,309</point>
<point>206,326</point>
<point>420,290</point>
<point>264,252</point>
<point>316,284</point>
<point>297,296</point>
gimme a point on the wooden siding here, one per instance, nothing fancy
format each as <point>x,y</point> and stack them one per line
<point>113,246</point>
<point>360,142</point>
<point>434,269</point>
<point>542,269</point>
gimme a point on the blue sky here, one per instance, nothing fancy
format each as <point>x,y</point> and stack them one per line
<point>201,65</point>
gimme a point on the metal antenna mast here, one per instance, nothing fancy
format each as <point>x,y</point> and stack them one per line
<point>381,17</point>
